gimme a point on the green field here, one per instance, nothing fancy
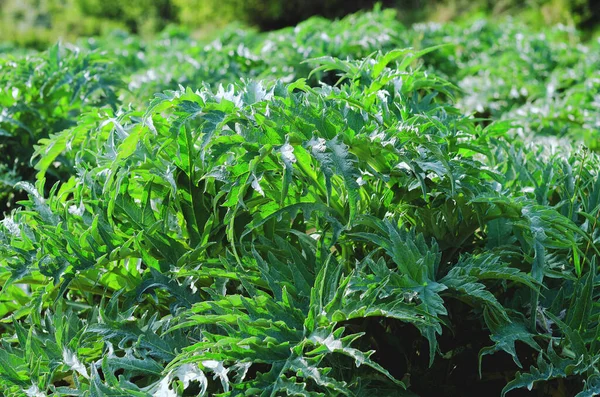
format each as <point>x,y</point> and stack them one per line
<point>341,208</point>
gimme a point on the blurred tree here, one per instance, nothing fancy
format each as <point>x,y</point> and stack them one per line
<point>137,15</point>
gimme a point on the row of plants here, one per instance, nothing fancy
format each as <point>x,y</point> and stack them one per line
<point>547,82</point>
<point>313,212</point>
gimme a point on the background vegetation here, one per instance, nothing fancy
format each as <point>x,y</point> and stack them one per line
<point>39,23</point>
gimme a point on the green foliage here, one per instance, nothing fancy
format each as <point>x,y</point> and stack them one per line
<point>44,94</point>
<point>311,211</point>
<point>39,23</point>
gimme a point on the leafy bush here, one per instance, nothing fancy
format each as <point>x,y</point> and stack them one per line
<point>270,235</point>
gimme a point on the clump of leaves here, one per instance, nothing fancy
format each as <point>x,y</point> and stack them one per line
<point>324,226</point>
<point>280,239</point>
